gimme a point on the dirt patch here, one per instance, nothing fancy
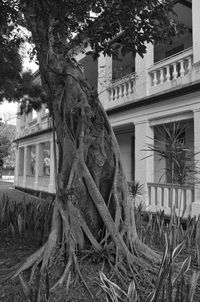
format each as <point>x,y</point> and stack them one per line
<point>13,251</point>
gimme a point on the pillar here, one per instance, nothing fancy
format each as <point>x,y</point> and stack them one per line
<point>27,163</point>
<point>51,187</point>
<point>196,203</point>
<point>144,160</point>
<point>195,30</point>
<point>16,182</point>
<point>141,68</point>
<point>38,164</point>
<point>104,78</point>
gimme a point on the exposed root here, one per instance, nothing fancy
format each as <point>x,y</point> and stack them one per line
<point>28,263</point>
<point>64,274</point>
<point>80,275</point>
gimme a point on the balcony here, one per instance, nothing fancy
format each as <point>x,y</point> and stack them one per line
<point>161,197</point>
<point>34,126</point>
<point>122,90</point>
<point>171,72</point>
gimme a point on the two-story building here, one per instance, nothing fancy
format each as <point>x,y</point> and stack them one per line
<point>140,95</point>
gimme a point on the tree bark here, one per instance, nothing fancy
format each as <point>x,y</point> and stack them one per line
<point>92,205</point>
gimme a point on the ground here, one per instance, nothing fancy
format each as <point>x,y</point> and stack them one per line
<point>14,250</point>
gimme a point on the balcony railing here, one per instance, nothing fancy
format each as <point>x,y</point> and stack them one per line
<point>122,89</point>
<point>171,68</point>
<point>33,126</point>
<point>164,196</point>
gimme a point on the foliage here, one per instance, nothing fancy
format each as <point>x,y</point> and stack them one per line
<point>4,148</point>
<point>170,146</point>
<point>177,278</point>
<point>7,148</point>
<point>98,22</point>
<point>31,215</point>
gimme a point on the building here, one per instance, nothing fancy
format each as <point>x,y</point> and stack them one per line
<point>140,95</point>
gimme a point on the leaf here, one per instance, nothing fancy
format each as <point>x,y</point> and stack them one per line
<point>88,53</point>
<point>47,285</point>
<point>177,250</point>
<point>19,222</point>
<point>12,229</point>
<point>68,282</point>
<point>184,268</point>
<point>26,288</point>
<point>132,293</point>
<point>193,284</point>
<point>150,297</point>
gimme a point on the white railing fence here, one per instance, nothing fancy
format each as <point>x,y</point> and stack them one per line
<point>171,68</point>
<point>163,196</point>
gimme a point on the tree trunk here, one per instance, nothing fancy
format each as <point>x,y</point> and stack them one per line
<point>92,205</point>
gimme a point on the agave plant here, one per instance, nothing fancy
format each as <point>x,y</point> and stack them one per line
<point>181,167</point>
<point>167,279</point>
<point>114,293</point>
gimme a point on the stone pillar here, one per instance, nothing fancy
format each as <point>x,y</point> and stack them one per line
<point>38,164</point>
<point>144,160</point>
<point>141,68</point>
<point>27,164</point>
<point>196,203</point>
<point>51,187</point>
<point>16,181</point>
<point>195,30</point>
<point>104,78</point>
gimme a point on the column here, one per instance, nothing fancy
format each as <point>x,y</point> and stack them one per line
<point>141,66</point>
<point>196,203</point>
<point>27,164</point>
<point>38,165</point>
<point>144,160</point>
<point>104,78</point>
<point>195,30</point>
<point>51,187</point>
<point>16,181</point>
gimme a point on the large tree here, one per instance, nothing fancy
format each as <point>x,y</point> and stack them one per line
<point>92,205</point>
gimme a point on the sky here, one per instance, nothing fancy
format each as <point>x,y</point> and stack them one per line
<point>8,111</point>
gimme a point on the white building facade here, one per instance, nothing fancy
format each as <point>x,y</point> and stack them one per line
<point>140,95</point>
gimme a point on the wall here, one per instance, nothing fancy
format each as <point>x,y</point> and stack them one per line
<point>125,141</point>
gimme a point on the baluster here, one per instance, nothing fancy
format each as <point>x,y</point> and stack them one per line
<point>189,63</point>
<point>116,93</point>
<point>132,85</point>
<point>155,81</point>
<point>111,94</point>
<point>120,91</point>
<point>175,73</point>
<point>162,196</point>
<point>176,198</point>
<point>128,87</point>
<point>149,190</point>
<point>182,70</point>
<point>161,75</point>
<point>125,89</point>
<point>167,73</point>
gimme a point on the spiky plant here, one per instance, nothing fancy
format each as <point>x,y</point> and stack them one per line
<point>182,168</point>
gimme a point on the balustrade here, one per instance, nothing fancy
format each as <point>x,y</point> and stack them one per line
<point>164,196</point>
<point>122,88</point>
<point>171,68</point>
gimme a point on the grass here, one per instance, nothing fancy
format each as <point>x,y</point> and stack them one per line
<point>177,239</point>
